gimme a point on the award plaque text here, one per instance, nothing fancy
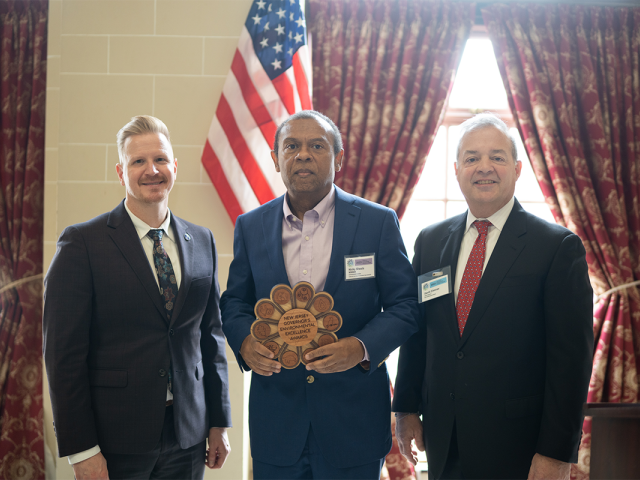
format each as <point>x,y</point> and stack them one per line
<point>295,321</point>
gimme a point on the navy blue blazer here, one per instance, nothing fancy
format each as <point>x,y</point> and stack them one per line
<point>108,344</point>
<point>348,411</point>
<point>515,382</point>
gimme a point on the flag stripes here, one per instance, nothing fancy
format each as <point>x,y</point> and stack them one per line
<point>269,80</point>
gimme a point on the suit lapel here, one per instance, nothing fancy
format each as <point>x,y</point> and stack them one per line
<point>344,231</point>
<point>507,249</point>
<point>126,238</point>
<point>450,250</point>
<point>185,248</point>
<point>272,231</point>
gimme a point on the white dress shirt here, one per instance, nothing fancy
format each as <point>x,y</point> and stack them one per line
<point>170,246</point>
<point>497,220</point>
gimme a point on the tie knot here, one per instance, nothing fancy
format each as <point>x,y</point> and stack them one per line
<point>482,226</point>
<point>156,235</point>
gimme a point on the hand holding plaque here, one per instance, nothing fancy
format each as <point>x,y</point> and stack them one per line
<point>293,322</point>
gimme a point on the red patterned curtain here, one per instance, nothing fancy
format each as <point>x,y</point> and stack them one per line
<point>382,71</point>
<point>23,60</point>
<point>572,75</point>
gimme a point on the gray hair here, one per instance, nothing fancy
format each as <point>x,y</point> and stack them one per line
<point>483,120</point>
<point>305,114</point>
<point>139,125</point>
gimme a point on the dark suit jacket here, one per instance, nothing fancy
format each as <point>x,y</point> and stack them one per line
<point>107,341</point>
<point>348,411</point>
<point>515,382</point>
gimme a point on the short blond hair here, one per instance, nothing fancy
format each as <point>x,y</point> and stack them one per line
<point>140,125</point>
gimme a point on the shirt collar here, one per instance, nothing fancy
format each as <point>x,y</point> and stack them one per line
<point>323,208</point>
<point>142,228</point>
<point>498,219</point>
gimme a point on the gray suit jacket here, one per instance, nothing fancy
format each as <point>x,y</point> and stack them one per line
<point>108,345</point>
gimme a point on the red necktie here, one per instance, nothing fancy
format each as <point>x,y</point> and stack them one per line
<point>472,274</point>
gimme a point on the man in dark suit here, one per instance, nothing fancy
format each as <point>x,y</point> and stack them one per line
<point>500,367</point>
<point>133,344</point>
<point>330,419</point>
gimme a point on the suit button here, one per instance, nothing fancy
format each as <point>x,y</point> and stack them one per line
<point>162,372</point>
<point>460,355</point>
<point>310,379</point>
<point>452,396</point>
<point>171,332</point>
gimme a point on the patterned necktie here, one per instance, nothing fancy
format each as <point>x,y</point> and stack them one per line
<point>166,277</point>
<point>164,270</point>
<point>472,274</point>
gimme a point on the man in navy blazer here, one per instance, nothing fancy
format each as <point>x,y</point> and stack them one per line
<point>332,418</point>
<point>501,395</point>
<point>135,354</point>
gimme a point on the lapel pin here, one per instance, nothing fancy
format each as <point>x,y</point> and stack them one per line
<point>187,237</point>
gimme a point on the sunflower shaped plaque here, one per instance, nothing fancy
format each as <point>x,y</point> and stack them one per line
<point>294,322</point>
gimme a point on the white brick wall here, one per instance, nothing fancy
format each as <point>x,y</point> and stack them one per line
<point>109,60</point>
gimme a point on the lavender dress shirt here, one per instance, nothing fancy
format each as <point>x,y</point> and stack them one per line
<point>306,245</point>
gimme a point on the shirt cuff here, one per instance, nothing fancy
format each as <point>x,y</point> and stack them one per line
<point>79,457</point>
<point>366,353</point>
<point>405,414</point>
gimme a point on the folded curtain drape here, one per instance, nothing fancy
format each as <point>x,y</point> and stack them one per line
<point>382,71</point>
<point>23,62</point>
<point>572,75</point>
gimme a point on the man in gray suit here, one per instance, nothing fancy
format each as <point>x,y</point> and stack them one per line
<point>133,344</point>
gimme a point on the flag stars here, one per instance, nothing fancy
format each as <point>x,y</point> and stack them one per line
<point>277,31</point>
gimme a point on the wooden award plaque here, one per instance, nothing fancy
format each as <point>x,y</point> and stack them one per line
<point>293,322</point>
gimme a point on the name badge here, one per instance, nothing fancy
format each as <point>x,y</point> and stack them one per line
<point>434,284</point>
<point>359,267</point>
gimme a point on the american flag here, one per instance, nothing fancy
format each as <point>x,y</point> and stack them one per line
<point>269,79</point>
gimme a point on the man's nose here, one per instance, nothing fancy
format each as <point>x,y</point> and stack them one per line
<point>485,165</point>
<point>151,168</point>
<point>304,153</point>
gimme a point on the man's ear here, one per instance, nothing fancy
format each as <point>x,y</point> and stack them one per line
<point>339,159</point>
<point>120,172</point>
<point>274,157</point>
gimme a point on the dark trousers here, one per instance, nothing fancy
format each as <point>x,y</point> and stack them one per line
<point>312,465</point>
<point>167,461</point>
<point>453,467</point>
